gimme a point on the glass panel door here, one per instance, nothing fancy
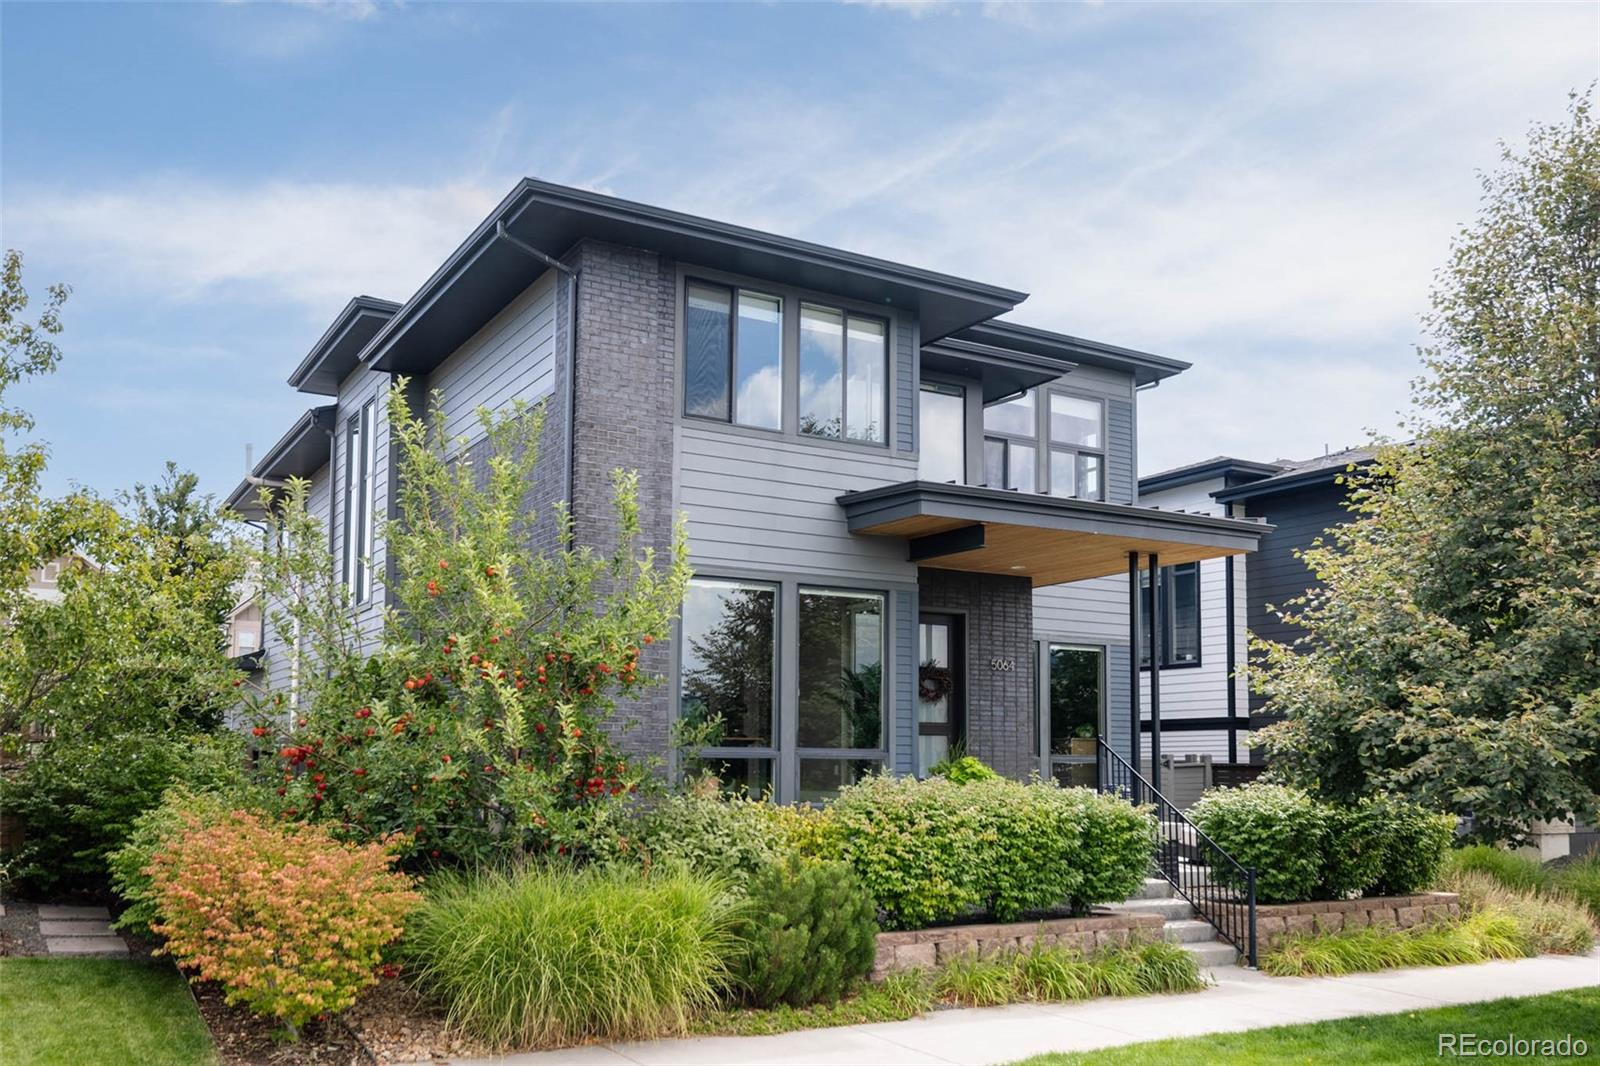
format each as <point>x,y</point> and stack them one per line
<point>940,689</point>
<point>1076,705</point>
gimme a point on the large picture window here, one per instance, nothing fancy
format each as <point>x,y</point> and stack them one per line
<point>1180,623</point>
<point>844,375</point>
<point>840,689</point>
<point>728,676</point>
<point>1077,446</point>
<point>733,356</point>
<point>359,520</point>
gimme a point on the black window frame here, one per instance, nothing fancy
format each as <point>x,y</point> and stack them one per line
<point>731,418</point>
<point>1169,618</point>
<point>845,316</point>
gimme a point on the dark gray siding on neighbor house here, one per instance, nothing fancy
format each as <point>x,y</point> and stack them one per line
<point>1273,574</point>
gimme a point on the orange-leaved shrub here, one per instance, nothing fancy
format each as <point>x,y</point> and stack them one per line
<point>290,921</point>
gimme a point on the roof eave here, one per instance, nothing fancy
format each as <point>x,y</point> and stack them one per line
<point>342,341</point>
<point>1146,367</point>
<point>1288,482</point>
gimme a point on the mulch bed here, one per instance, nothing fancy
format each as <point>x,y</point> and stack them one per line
<point>245,1040</point>
<point>397,1025</point>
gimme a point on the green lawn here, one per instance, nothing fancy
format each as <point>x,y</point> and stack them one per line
<point>87,1012</point>
<point>1370,1041</point>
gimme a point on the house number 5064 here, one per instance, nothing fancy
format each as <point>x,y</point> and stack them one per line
<point>1002,666</point>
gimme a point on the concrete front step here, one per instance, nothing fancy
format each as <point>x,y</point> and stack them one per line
<point>85,945</point>
<point>1172,909</point>
<point>1188,931</point>
<point>1212,953</point>
<point>1154,888</point>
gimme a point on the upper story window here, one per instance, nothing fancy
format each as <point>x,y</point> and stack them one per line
<point>1010,444</point>
<point>844,375</point>
<point>358,502</point>
<point>1180,622</point>
<point>733,356</point>
<point>1077,446</point>
<point>942,433</point>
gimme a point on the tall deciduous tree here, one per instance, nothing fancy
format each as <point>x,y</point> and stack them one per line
<point>1454,652</point>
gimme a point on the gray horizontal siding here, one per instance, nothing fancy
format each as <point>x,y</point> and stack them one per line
<point>1118,710</point>
<point>903,733</point>
<point>755,502</point>
<point>276,645</point>
<point>905,389</point>
<point>511,358</point>
<point>1121,482</point>
<point>359,388</point>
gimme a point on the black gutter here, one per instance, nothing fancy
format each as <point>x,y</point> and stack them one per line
<point>1290,482</point>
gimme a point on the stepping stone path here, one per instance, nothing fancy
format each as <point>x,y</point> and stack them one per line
<point>78,931</point>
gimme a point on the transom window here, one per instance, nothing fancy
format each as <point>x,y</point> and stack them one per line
<point>1180,622</point>
<point>733,356</point>
<point>844,374</point>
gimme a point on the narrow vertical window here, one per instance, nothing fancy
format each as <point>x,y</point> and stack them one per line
<point>821,372</point>
<point>1180,608</point>
<point>758,363</point>
<point>705,352</point>
<point>867,388</point>
<point>358,503</point>
<point>840,731</point>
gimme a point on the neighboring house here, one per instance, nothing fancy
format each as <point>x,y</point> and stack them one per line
<point>1207,708</point>
<point>44,581</point>
<point>913,526</point>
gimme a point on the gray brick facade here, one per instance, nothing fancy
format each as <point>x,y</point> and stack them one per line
<point>625,389</point>
<point>999,626</point>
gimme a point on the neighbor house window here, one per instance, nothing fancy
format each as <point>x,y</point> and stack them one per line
<point>1077,446</point>
<point>727,678</point>
<point>733,356</point>
<point>840,732</point>
<point>358,502</point>
<point>844,374</point>
<point>1010,450</point>
<point>1180,623</point>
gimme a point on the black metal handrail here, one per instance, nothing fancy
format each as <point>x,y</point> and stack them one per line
<point>1218,886</point>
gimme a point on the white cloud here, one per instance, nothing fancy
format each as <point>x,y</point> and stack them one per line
<point>311,244</point>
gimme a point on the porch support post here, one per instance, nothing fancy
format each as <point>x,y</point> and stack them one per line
<point>1157,614</point>
<point>1134,723</point>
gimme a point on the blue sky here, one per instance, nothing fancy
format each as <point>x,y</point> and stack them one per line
<point>1263,190</point>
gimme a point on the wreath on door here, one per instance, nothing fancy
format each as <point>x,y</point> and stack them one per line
<point>934,682</point>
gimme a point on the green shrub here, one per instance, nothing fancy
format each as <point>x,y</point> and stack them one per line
<point>1548,921</point>
<point>966,768</point>
<point>1581,880</point>
<point>933,850</point>
<point>552,956</point>
<point>179,811</point>
<point>1280,831</point>
<point>78,798</point>
<point>1413,841</point>
<point>1509,869</point>
<point>729,837</point>
<point>811,933</point>
<point>1354,854</point>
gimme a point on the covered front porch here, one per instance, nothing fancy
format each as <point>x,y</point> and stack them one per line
<point>1000,675</point>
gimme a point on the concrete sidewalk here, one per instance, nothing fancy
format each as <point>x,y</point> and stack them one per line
<point>1241,999</point>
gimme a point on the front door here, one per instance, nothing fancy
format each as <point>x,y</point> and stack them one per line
<point>1075,699</point>
<point>941,689</point>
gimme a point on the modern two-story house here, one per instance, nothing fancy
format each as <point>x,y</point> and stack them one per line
<point>913,524</point>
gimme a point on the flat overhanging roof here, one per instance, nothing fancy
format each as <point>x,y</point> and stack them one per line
<point>1047,539</point>
<point>300,453</point>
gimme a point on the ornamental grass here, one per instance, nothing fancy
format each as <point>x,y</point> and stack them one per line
<point>548,956</point>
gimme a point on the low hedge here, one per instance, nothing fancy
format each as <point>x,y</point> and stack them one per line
<point>1304,849</point>
<point>931,851</point>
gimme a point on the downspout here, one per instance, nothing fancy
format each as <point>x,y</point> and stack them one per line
<point>1233,683</point>
<point>570,356</point>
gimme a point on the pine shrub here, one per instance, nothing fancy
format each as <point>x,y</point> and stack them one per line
<point>811,932</point>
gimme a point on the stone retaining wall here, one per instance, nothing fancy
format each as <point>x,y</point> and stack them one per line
<point>1274,921</point>
<point>926,948</point>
